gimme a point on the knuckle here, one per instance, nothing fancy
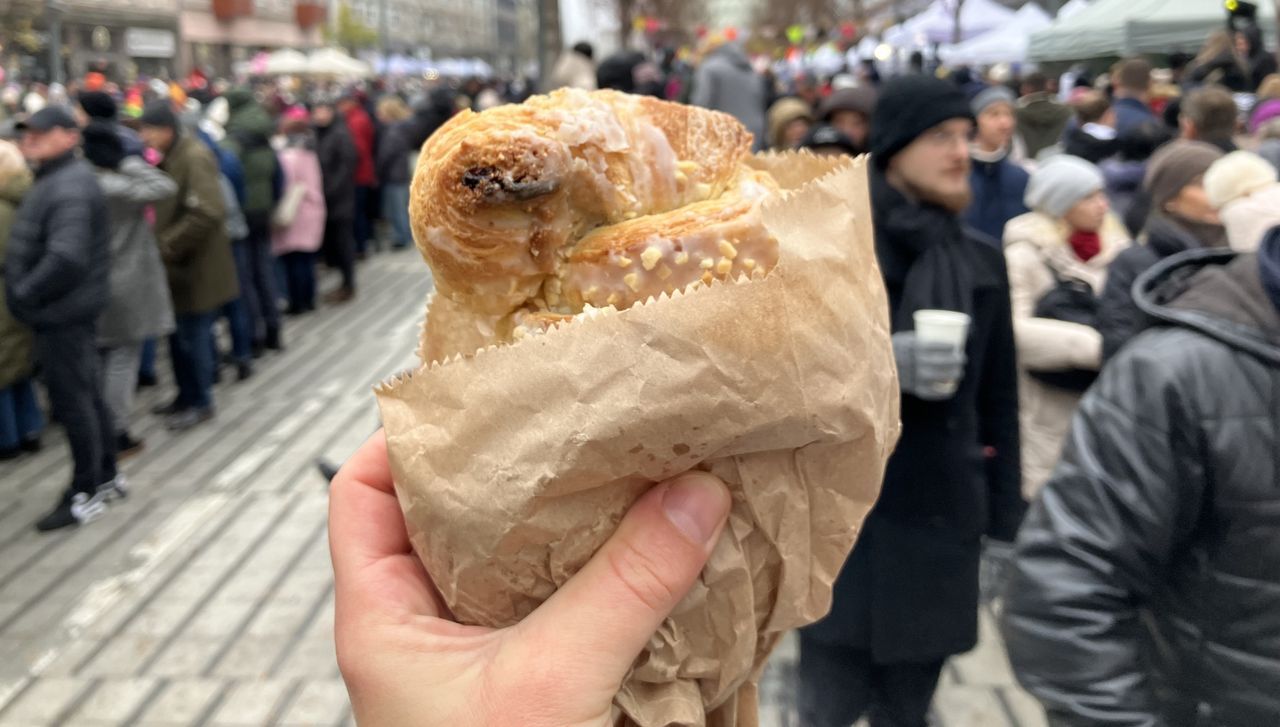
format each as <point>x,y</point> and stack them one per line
<point>641,576</point>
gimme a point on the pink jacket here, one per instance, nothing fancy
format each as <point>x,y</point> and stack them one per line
<point>301,166</point>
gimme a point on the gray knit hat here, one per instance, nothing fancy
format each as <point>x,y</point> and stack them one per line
<point>1061,183</point>
<point>992,95</point>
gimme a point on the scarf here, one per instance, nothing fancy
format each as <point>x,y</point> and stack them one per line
<point>1269,265</point>
<point>1085,244</point>
<point>921,253</point>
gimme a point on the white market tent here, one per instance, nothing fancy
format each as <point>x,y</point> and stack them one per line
<point>1071,8</point>
<point>285,62</point>
<point>334,62</point>
<point>1127,27</point>
<point>937,23</point>
<point>1005,44</point>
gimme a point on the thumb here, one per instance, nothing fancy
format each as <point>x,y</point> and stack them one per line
<point>601,619</point>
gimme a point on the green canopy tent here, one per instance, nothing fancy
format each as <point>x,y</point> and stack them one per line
<point>1129,27</point>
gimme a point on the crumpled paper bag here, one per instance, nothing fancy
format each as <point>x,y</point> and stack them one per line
<point>515,464</point>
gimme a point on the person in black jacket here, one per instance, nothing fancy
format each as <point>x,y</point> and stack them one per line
<point>908,596</point>
<point>337,154</point>
<point>56,282</point>
<point>1250,47</point>
<point>1145,585</point>
<point>1181,218</point>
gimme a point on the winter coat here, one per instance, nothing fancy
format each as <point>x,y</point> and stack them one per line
<point>1119,318</point>
<point>139,307</point>
<point>15,338</point>
<point>1079,143</point>
<point>1035,248</point>
<point>1248,219</point>
<point>1224,69</point>
<point>1124,186</point>
<point>909,592</point>
<point>191,231</point>
<point>1145,584</point>
<point>573,70</point>
<point>726,82</point>
<point>1269,149</point>
<point>249,132</point>
<point>364,136</point>
<point>58,260</point>
<point>1041,121</point>
<point>393,154</point>
<point>337,155</point>
<point>301,167</point>
<point>1131,114</point>
<point>998,188</point>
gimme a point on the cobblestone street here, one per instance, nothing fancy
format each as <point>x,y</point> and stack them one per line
<point>206,597</point>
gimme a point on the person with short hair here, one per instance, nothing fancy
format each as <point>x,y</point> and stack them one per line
<point>849,110</point>
<point>1094,136</point>
<point>1131,88</point>
<point>1209,114</point>
<point>56,274</point>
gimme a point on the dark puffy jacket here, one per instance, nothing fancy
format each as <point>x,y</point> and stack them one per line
<point>1145,586</point>
<point>249,131</point>
<point>57,267</point>
<point>1124,188</point>
<point>998,189</point>
<point>1119,317</point>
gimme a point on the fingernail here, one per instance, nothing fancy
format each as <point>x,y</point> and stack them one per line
<point>696,503</point>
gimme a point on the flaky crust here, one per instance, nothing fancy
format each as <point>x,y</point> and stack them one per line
<point>497,196</point>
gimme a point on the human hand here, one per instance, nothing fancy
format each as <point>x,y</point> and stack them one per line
<point>926,369</point>
<point>406,661</point>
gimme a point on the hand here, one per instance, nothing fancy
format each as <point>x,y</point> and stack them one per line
<point>927,370</point>
<point>406,661</point>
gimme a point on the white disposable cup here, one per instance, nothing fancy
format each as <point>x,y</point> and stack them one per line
<point>943,326</point>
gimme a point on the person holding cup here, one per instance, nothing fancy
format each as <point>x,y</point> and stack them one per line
<point>1057,256</point>
<point>907,599</point>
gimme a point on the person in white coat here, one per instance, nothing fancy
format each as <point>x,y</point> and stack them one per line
<point>1242,186</point>
<point>1057,256</point>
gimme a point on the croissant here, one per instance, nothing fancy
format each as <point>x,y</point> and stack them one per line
<point>530,213</point>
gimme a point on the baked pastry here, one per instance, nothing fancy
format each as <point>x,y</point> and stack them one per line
<point>580,199</point>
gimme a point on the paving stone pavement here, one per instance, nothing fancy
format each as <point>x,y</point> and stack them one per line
<point>206,597</point>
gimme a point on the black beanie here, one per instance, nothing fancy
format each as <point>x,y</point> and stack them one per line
<point>98,105</point>
<point>908,107</point>
<point>159,113</point>
<point>102,145</point>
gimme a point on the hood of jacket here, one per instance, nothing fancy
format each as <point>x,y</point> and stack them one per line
<point>1039,110</point>
<point>238,98</point>
<point>1049,234</point>
<point>1216,292</point>
<point>732,54</point>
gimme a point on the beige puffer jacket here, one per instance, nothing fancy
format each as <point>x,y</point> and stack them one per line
<point>1032,243</point>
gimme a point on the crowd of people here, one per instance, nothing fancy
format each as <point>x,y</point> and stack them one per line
<point>195,216</point>
<point>1113,239</point>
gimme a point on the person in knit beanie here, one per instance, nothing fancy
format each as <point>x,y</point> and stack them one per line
<point>1181,219</point>
<point>998,183</point>
<point>1069,234</point>
<point>882,647</point>
<point>1243,187</point>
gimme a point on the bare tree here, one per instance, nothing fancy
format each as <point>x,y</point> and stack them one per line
<point>821,13</point>
<point>956,34</point>
<point>680,16</point>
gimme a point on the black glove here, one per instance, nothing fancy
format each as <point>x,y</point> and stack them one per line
<point>927,370</point>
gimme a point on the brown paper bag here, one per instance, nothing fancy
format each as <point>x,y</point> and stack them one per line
<point>514,465</point>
